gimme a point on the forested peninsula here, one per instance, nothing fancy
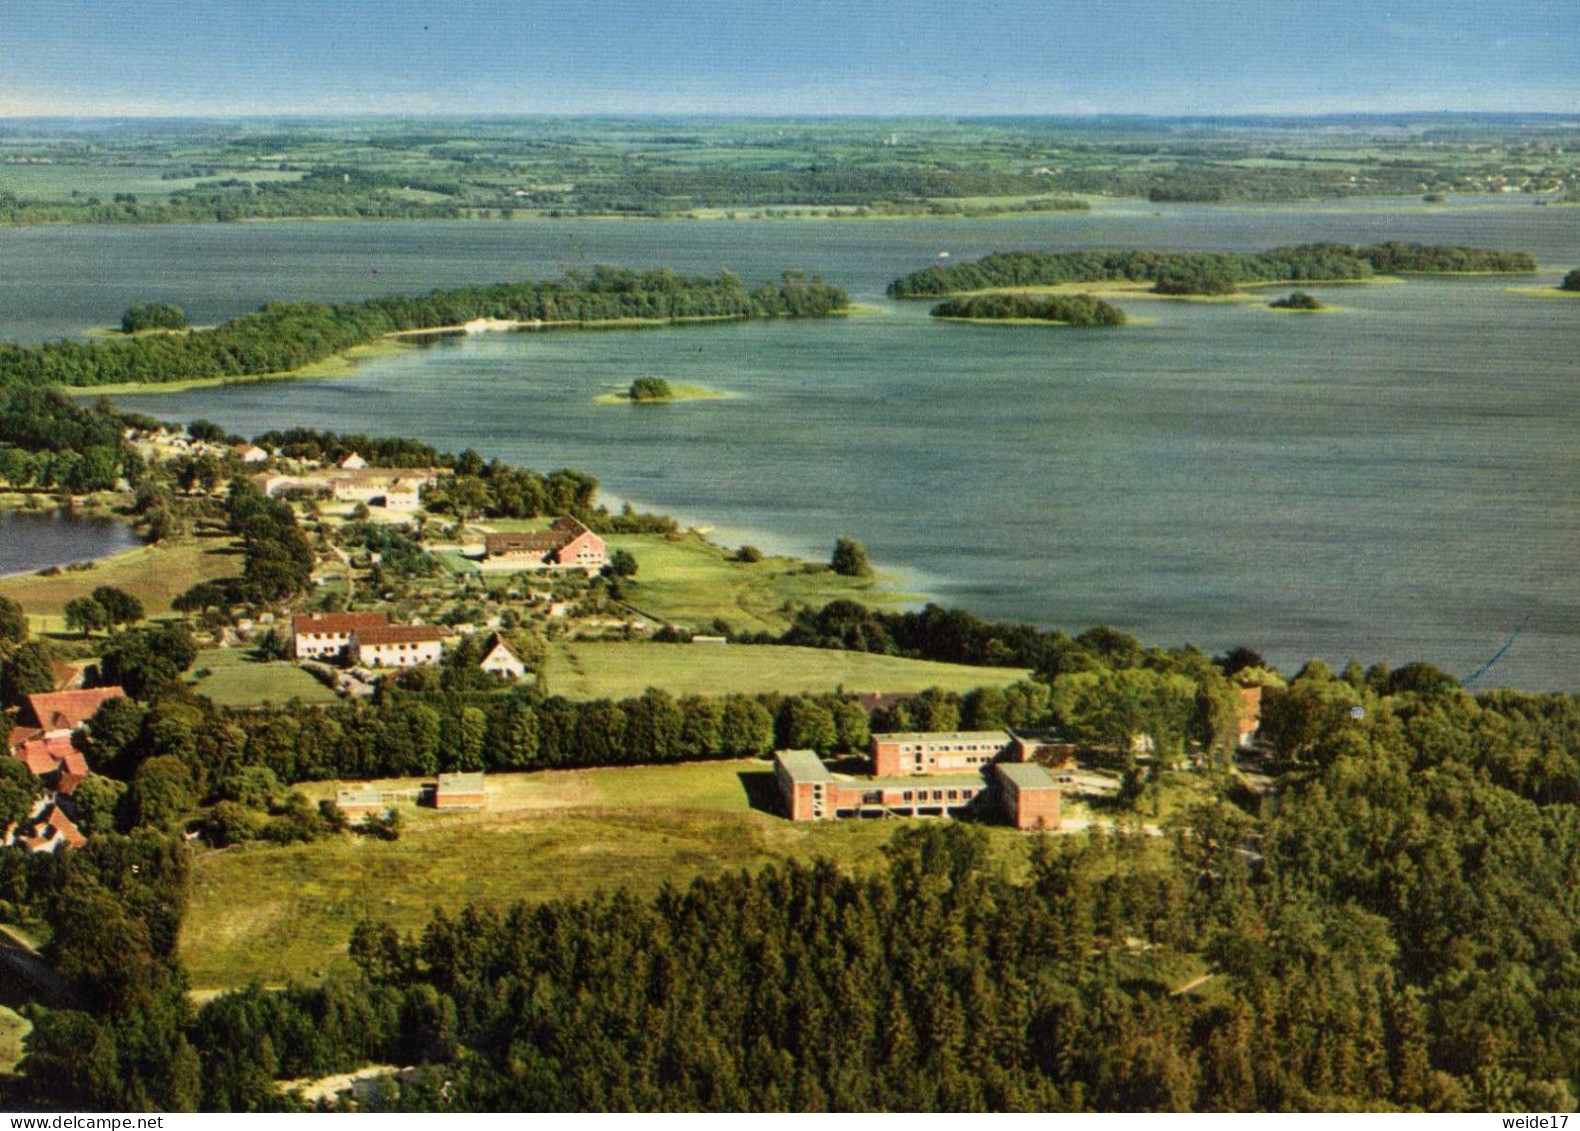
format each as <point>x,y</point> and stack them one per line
<point>280,337</point>
<point>1201,272</point>
<point>1063,310</point>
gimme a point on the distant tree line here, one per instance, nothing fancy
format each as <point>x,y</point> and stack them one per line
<point>280,337</point>
<point>1194,272</point>
<point>1073,310</point>
<point>832,183</point>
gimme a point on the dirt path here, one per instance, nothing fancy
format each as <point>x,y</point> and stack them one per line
<point>1191,985</point>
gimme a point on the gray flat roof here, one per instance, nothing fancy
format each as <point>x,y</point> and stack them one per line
<point>1025,775</point>
<point>999,736</point>
<point>803,765</point>
<point>462,783</point>
<point>926,781</point>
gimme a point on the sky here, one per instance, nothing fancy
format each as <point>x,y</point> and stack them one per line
<point>918,57</point>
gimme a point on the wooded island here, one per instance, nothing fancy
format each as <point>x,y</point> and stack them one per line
<point>1205,273</point>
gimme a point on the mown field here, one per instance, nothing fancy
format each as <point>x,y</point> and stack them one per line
<point>155,575</point>
<point>584,669</point>
<point>13,1027</point>
<point>231,677</point>
<point>692,582</point>
<point>273,914</point>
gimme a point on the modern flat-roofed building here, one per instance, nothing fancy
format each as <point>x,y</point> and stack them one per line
<point>1028,795</point>
<point>360,802</point>
<point>942,752</point>
<point>804,784</point>
<point>459,791</point>
<point>809,792</point>
<point>329,636</point>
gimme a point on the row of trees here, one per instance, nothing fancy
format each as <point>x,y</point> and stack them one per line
<point>1197,272</point>
<point>409,733</point>
<point>957,637</point>
<point>281,337</point>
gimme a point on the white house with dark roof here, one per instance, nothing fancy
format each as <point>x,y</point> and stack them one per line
<point>499,658</point>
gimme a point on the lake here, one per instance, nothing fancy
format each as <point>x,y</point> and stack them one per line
<point>32,540</point>
<point>1394,481</point>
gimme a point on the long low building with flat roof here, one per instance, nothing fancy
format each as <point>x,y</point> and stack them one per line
<point>939,752</point>
<point>965,751</point>
<point>810,792</point>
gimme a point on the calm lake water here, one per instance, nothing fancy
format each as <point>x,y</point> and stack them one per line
<point>31,540</point>
<point>1394,481</point>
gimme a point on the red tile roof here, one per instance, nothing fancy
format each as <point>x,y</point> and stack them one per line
<point>400,634</point>
<point>45,755</point>
<point>18,736</point>
<point>38,760</point>
<point>64,825</point>
<point>68,710</point>
<point>560,534</point>
<point>338,624</point>
<point>534,542</point>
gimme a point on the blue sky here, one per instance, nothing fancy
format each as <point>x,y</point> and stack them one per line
<point>226,57</point>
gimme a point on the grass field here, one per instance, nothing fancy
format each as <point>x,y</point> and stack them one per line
<point>235,679</point>
<point>153,574</point>
<point>692,582</point>
<point>613,669</point>
<point>13,1027</point>
<point>1542,292</point>
<point>277,913</point>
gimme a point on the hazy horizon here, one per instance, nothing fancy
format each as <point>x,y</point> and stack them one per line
<point>753,58</point>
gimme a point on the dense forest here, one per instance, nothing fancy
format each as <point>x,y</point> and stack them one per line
<point>1193,272</point>
<point>1395,929</point>
<point>1070,310</point>
<point>281,337</point>
<point>49,440</point>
